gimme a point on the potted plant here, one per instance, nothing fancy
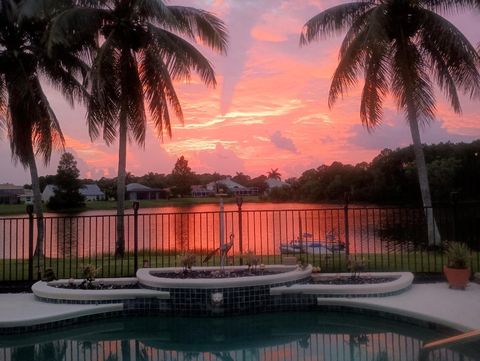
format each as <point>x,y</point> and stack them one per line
<point>456,270</point>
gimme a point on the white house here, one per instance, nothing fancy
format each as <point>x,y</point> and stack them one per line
<point>137,191</point>
<point>229,185</point>
<point>48,192</point>
<point>26,197</point>
<point>91,192</point>
<point>275,183</point>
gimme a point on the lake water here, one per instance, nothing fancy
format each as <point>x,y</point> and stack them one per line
<point>260,228</point>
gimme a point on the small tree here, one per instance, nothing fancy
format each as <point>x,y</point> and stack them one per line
<point>182,176</point>
<point>67,193</point>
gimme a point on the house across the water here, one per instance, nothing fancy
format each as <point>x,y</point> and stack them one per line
<point>91,192</point>
<point>137,191</point>
<point>12,194</point>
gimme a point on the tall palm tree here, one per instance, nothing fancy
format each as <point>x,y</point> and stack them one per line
<point>143,51</point>
<point>32,126</point>
<point>401,47</point>
<point>274,174</point>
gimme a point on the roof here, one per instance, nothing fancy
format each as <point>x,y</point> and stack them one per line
<point>276,183</point>
<point>9,186</point>
<point>88,190</point>
<point>91,190</point>
<point>137,187</point>
<point>227,182</point>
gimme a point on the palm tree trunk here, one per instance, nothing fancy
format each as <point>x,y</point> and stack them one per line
<point>37,204</point>
<point>122,161</point>
<point>433,233</point>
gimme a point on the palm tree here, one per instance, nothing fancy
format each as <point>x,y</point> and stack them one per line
<point>402,47</point>
<point>143,50</point>
<point>274,174</point>
<point>32,126</point>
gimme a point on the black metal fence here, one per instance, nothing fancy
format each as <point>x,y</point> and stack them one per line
<point>385,238</point>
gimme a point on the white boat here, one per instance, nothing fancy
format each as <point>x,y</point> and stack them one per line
<point>303,245</point>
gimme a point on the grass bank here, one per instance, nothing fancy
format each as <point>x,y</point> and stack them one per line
<point>110,266</point>
<point>20,209</point>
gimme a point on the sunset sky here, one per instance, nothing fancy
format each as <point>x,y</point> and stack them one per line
<point>269,109</point>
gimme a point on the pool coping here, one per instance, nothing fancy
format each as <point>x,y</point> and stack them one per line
<point>44,290</point>
<point>434,303</point>
<point>289,274</point>
<point>402,282</point>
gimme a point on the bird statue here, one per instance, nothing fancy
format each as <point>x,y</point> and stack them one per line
<point>223,250</point>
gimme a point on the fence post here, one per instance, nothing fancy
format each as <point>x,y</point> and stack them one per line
<point>136,205</point>
<point>30,241</point>
<point>454,202</point>
<point>240,227</point>
<point>345,219</point>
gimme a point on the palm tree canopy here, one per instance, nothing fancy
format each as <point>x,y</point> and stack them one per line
<point>144,49</point>
<point>274,174</point>
<point>24,108</point>
<point>402,47</point>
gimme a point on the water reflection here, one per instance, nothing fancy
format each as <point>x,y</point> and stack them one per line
<point>298,336</point>
<point>178,229</point>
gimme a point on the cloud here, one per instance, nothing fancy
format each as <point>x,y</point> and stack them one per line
<point>396,133</point>
<point>220,160</point>
<point>282,142</point>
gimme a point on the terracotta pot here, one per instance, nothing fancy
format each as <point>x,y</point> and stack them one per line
<point>457,277</point>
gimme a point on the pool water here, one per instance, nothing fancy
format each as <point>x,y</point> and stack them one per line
<point>323,336</point>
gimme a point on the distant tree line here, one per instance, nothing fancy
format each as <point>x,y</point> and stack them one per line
<point>391,177</point>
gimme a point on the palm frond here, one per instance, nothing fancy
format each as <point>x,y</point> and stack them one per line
<point>159,91</point>
<point>195,23</point>
<point>411,84</point>
<point>456,57</point>
<point>155,10</point>
<point>3,97</point>
<point>357,26</point>
<point>333,20</point>
<point>46,132</point>
<point>377,76</point>
<point>103,109</point>
<point>74,26</point>
<point>443,77</point>
<point>64,76</point>
<point>449,6</point>
<point>180,56</point>
<point>132,97</point>
<point>348,69</point>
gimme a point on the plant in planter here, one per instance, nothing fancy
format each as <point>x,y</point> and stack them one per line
<point>456,270</point>
<point>356,266</point>
<point>89,273</point>
<point>251,260</point>
<point>187,261</point>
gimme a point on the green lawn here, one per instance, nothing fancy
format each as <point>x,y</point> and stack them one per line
<point>20,209</point>
<point>110,266</point>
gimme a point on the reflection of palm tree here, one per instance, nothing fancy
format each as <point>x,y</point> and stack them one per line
<point>224,356</point>
<point>140,352</point>
<point>52,351</point>
<point>137,62</point>
<point>382,356</point>
<point>402,47</point>
<point>23,353</point>
<point>274,174</point>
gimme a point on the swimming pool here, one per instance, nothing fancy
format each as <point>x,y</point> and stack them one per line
<point>325,336</point>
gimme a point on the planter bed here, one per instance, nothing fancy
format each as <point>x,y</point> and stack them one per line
<point>397,282</point>
<point>52,292</point>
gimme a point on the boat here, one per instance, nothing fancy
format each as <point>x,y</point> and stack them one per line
<point>321,247</point>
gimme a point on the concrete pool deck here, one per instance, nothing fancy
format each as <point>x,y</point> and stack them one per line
<point>429,302</point>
